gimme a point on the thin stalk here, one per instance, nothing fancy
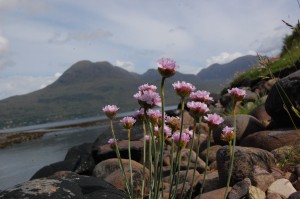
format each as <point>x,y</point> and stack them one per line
<point>231,153</point>
<point>162,135</point>
<point>197,155</point>
<point>189,157</point>
<point>178,175</point>
<point>144,160</point>
<point>178,148</point>
<point>130,164</point>
<point>172,167</point>
<point>206,160</point>
<point>119,159</point>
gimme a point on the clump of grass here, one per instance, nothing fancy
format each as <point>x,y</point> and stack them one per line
<point>291,159</point>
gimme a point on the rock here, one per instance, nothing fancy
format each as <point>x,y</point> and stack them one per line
<point>46,171</point>
<point>104,152</point>
<point>240,189</point>
<point>261,114</point>
<point>215,194</point>
<point>295,195</point>
<point>273,196</point>
<point>297,170</point>
<point>256,193</point>
<point>270,140</point>
<point>211,181</point>
<point>109,170</point>
<point>283,187</point>
<point>44,188</point>
<point>286,89</point>
<point>104,194</point>
<point>244,162</point>
<point>283,153</point>
<point>245,125</point>
<point>82,153</point>
<point>261,178</point>
<point>296,185</point>
<point>212,154</point>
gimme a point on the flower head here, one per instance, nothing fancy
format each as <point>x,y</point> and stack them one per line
<point>112,142</point>
<point>166,67</point>
<point>188,132</point>
<point>110,111</point>
<point>139,114</point>
<point>154,116</point>
<point>227,134</point>
<point>128,122</point>
<point>237,93</point>
<point>213,120</point>
<point>147,87</point>
<point>148,137</point>
<point>201,96</point>
<point>182,140</point>
<point>197,109</point>
<point>173,122</point>
<point>183,89</point>
<point>148,98</point>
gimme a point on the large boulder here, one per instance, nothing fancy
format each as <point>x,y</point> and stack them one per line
<point>284,95</point>
<point>245,125</point>
<point>245,160</point>
<point>270,140</point>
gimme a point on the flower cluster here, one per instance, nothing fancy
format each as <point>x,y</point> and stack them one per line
<point>173,122</point>
<point>128,122</point>
<point>237,93</point>
<point>139,114</point>
<point>183,89</point>
<point>197,109</point>
<point>148,98</point>
<point>166,67</point>
<point>154,116</point>
<point>201,96</point>
<point>181,139</point>
<point>213,120</point>
<point>112,142</point>
<point>110,111</point>
<point>147,87</point>
<point>227,134</point>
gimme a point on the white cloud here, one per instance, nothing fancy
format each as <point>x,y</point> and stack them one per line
<point>226,57</point>
<point>3,44</point>
<point>19,85</point>
<point>127,65</point>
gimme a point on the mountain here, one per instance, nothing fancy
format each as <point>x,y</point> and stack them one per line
<point>86,87</point>
<point>228,70</point>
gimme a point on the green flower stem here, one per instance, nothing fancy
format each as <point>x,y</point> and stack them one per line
<point>178,174</point>
<point>206,161</point>
<point>231,152</point>
<point>130,164</point>
<point>162,141</point>
<point>119,159</point>
<point>189,157</point>
<point>197,155</point>
<point>144,160</point>
<point>172,166</point>
<point>177,162</point>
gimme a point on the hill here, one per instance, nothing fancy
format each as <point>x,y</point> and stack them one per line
<point>86,87</point>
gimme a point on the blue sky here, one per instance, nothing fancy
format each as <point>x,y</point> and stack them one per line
<point>40,39</point>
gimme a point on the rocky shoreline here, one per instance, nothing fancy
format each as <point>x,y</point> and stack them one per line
<point>266,165</point>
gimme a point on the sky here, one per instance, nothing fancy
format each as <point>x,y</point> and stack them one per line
<point>40,39</point>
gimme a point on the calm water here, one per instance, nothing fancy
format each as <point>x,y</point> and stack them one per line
<point>19,162</point>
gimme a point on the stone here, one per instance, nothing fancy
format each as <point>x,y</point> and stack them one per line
<point>245,160</point>
<point>212,153</point>
<point>283,187</point>
<point>240,189</point>
<point>256,193</point>
<point>261,114</point>
<point>82,153</point>
<point>295,195</point>
<point>44,188</point>
<point>283,153</point>
<point>215,194</point>
<point>261,178</point>
<point>272,139</point>
<point>211,181</point>
<point>109,171</point>
<point>245,125</point>
<point>271,195</point>
<point>285,91</point>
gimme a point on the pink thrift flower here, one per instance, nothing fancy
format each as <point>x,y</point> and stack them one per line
<point>188,132</point>
<point>183,89</point>
<point>197,109</point>
<point>227,134</point>
<point>110,111</point>
<point>180,141</point>
<point>173,122</point>
<point>154,116</point>
<point>166,67</point>
<point>139,114</point>
<point>128,122</point>
<point>213,120</point>
<point>147,138</point>
<point>148,99</point>
<point>167,131</point>
<point>111,142</point>
<point>147,87</point>
<point>237,94</point>
<point>201,96</point>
